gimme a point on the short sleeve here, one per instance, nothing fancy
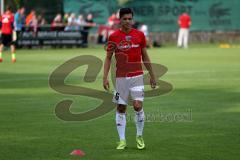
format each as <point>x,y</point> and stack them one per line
<point>111,45</point>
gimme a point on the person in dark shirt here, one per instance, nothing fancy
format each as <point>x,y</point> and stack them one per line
<point>89,24</point>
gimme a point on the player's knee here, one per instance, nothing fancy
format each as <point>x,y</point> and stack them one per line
<point>121,108</point>
<point>137,105</point>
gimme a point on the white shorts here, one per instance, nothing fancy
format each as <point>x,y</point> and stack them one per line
<point>124,85</point>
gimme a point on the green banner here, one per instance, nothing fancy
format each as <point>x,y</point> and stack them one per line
<point>162,15</point>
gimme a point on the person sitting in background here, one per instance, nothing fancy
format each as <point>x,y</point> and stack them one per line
<point>80,22</point>
<point>65,19</point>
<point>57,23</point>
<point>30,17</point>
<point>71,25</point>
<point>111,19</point>
<point>41,20</point>
<point>19,23</point>
<point>114,23</point>
<point>34,24</point>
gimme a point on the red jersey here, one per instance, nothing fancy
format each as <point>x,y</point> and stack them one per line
<point>184,21</point>
<point>128,52</point>
<point>7,20</point>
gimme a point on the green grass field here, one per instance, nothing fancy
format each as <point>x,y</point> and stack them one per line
<point>206,81</point>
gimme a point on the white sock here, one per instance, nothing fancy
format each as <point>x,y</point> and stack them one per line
<point>121,124</point>
<point>139,120</point>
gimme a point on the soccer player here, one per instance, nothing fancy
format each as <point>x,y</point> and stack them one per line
<point>6,22</point>
<point>130,51</point>
<point>184,22</point>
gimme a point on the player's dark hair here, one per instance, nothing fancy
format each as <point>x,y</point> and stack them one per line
<point>125,11</point>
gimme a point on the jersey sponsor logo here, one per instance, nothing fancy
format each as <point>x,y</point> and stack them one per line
<point>122,46</point>
<point>135,45</point>
<point>126,45</point>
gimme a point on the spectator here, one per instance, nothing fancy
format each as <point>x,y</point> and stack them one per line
<point>41,20</point>
<point>19,19</point>
<point>80,22</point>
<point>57,23</point>
<point>89,24</point>
<point>184,22</point>
<point>72,24</point>
<point>34,24</point>
<point>29,17</point>
<point>112,19</point>
<point>144,29</point>
<point>65,18</point>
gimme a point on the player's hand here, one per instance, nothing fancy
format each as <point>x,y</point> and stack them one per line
<point>153,82</point>
<point>106,84</point>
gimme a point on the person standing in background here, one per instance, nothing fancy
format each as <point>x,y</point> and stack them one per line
<point>7,26</point>
<point>89,23</point>
<point>19,23</point>
<point>19,19</point>
<point>144,29</point>
<point>184,22</point>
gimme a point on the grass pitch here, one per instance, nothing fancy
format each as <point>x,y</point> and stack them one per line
<point>206,83</point>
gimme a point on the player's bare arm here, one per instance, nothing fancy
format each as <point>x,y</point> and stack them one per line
<point>147,64</point>
<point>107,64</point>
